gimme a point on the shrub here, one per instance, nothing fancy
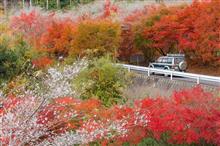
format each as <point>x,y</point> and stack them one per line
<point>42,62</point>
<point>103,80</point>
<point>32,25</point>
<point>58,38</point>
<point>14,56</point>
<point>97,38</point>
<point>189,117</point>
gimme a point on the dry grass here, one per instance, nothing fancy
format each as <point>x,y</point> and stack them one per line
<point>154,86</point>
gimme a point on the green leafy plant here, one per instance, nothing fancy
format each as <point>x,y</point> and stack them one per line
<point>103,80</point>
<point>14,57</point>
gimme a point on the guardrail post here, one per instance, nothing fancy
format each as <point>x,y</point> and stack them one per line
<point>148,72</point>
<point>129,69</point>
<point>197,80</point>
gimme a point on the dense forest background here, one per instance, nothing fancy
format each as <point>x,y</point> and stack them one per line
<point>50,4</point>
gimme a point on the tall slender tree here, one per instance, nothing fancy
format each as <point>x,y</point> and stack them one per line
<point>58,4</point>
<point>47,5</point>
<point>23,3</point>
<point>5,2</point>
<point>30,3</point>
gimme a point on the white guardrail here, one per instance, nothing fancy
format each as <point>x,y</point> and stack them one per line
<point>171,73</point>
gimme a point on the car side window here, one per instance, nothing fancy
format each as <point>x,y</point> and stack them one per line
<point>163,60</point>
<point>178,60</point>
<point>169,60</point>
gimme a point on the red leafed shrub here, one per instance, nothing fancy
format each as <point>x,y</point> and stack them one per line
<point>58,38</point>
<point>32,25</point>
<point>109,9</point>
<point>190,116</point>
<point>67,113</point>
<point>42,62</point>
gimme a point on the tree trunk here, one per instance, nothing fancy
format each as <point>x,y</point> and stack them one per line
<point>23,4</point>
<point>30,3</point>
<point>47,6</point>
<point>5,6</point>
<point>58,4</point>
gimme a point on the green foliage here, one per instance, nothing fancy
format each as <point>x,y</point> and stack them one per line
<point>64,4</point>
<point>148,142</point>
<point>103,80</point>
<point>8,60</point>
<point>141,43</point>
<point>152,142</point>
<point>14,57</point>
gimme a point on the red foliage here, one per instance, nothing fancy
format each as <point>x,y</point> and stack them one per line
<point>8,104</point>
<point>42,62</point>
<point>139,15</point>
<point>66,113</point>
<point>32,25</point>
<point>58,38</point>
<point>197,34</point>
<point>188,117</point>
<point>109,9</point>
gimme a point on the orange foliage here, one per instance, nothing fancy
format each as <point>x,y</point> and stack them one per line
<point>97,37</point>
<point>109,9</point>
<point>42,62</point>
<point>186,30</point>
<point>58,38</point>
<point>32,25</point>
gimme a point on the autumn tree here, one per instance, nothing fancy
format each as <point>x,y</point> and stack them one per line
<point>58,38</point>
<point>31,25</point>
<point>186,30</point>
<point>133,38</point>
<point>96,38</point>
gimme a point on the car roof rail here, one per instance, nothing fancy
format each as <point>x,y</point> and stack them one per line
<point>176,55</point>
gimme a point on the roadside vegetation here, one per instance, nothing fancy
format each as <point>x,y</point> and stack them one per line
<point>60,84</point>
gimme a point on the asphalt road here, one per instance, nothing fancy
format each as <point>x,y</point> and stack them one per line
<point>216,84</point>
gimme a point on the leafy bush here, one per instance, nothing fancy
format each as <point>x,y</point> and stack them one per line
<point>188,118</point>
<point>58,38</point>
<point>97,38</point>
<point>14,57</point>
<point>31,25</point>
<point>103,80</point>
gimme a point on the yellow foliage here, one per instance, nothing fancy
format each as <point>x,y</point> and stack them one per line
<point>96,38</point>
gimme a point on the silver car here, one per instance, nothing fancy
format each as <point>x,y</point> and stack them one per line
<point>170,62</point>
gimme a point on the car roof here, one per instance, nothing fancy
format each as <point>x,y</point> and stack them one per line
<point>172,57</point>
<point>165,57</point>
